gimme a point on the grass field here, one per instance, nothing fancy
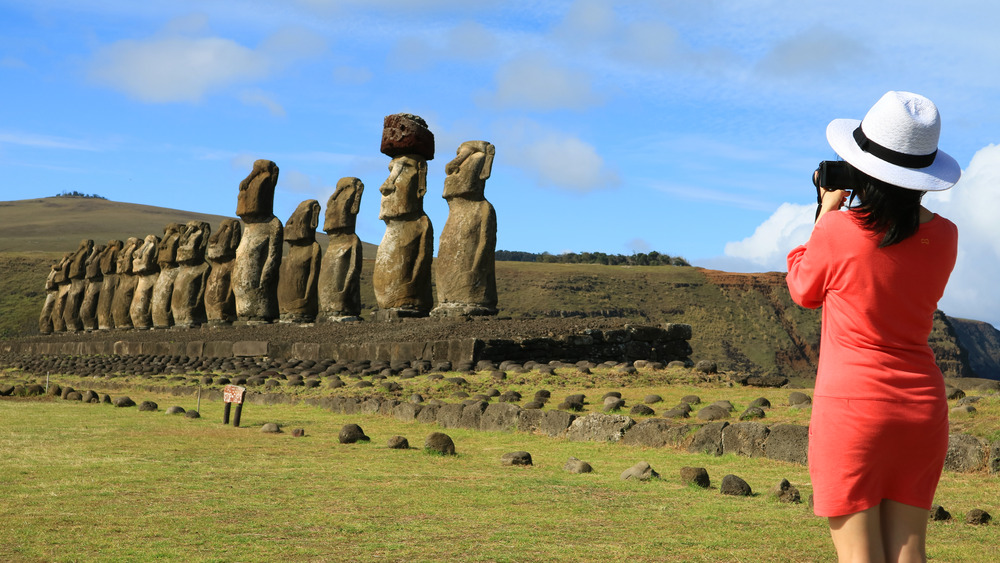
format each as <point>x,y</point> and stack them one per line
<point>94,482</point>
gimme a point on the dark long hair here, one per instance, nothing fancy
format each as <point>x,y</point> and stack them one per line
<point>886,208</point>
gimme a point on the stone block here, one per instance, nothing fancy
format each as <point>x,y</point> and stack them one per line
<point>250,348</point>
<point>788,442</point>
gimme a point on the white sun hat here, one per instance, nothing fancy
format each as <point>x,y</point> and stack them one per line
<point>897,142</point>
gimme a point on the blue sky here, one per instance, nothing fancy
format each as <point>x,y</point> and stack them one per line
<point>690,128</point>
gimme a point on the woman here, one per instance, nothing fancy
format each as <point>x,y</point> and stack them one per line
<point>879,429</point>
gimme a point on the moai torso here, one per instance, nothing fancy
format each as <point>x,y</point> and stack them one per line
<point>298,300</point>
<point>258,257</point>
<point>109,271</point>
<point>127,282</point>
<point>220,303</point>
<point>465,268</point>
<point>402,275</point>
<point>62,281</point>
<point>145,268</point>
<point>340,274</point>
<point>95,281</point>
<point>78,286</point>
<point>51,292</point>
<point>188,301</point>
<point>163,290</point>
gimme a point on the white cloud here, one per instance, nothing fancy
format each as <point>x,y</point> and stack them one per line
<point>533,81</point>
<point>816,52</point>
<point>556,159</point>
<point>180,65</point>
<point>301,183</point>
<point>971,205</point>
<point>770,242</point>
<point>44,141</point>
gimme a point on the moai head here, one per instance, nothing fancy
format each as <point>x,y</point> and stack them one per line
<point>223,243</point>
<point>62,276</point>
<point>109,258</point>
<point>78,266</point>
<point>166,252</point>
<point>126,255</point>
<point>94,262</point>
<point>256,199</point>
<point>50,280</point>
<point>468,171</point>
<point>193,242</point>
<point>144,257</point>
<point>403,191</point>
<point>301,226</point>
<point>343,206</point>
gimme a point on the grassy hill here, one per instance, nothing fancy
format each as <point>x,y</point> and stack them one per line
<point>745,322</point>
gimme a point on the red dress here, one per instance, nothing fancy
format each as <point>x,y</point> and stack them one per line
<point>879,427</point>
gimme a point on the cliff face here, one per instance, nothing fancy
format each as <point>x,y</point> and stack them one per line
<point>963,348</point>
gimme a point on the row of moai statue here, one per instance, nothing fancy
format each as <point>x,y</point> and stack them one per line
<point>192,277</point>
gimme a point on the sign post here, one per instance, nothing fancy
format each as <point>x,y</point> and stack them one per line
<point>233,394</point>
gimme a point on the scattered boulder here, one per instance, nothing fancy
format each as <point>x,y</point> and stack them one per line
<point>298,433</point>
<point>965,453</point>
<point>639,472</point>
<point>192,414</point>
<point>713,412</point>
<point>516,458</point>
<point>148,406</point>
<point>574,465</point>
<point>978,517</point>
<point>175,410</point>
<point>74,396</point>
<point>652,399</point>
<point>962,410</point>
<point>352,434</point>
<point>613,404</point>
<point>799,399</point>
<point>270,428</point>
<point>123,402</point>
<point>760,402</point>
<point>398,443</point>
<point>439,443</point>
<point>734,486</point>
<point>993,462</point>
<point>753,413</point>
<point>706,367</point>
<point>953,393</point>
<point>697,476</point>
<point>939,514</point>
<point>785,492</point>
<point>691,399</point>
<point>641,410</point>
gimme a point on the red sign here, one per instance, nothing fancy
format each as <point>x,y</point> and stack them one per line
<point>233,394</point>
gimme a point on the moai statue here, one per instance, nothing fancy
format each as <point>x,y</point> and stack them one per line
<point>95,281</point>
<point>62,281</point>
<point>258,258</point>
<point>109,270</point>
<point>188,302</point>
<point>465,269</point>
<point>78,285</point>
<point>145,268</point>
<point>298,301</point>
<point>166,258</point>
<point>127,281</point>
<point>51,293</point>
<point>402,276</point>
<point>220,303</point>
<point>340,274</point>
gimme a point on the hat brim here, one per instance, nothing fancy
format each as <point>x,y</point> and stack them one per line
<point>940,175</point>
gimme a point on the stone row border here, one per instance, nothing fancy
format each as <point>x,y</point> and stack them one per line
<point>653,343</point>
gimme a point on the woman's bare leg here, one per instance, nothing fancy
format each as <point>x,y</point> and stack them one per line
<point>858,537</point>
<point>904,532</point>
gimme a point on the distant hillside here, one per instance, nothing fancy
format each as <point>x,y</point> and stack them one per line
<point>745,322</point>
<point>57,224</point>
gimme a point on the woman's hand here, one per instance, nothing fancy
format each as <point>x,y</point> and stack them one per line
<point>831,200</point>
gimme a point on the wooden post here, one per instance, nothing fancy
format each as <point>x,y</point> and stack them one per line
<point>233,394</point>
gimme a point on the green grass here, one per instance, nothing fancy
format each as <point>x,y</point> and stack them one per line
<point>93,482</point>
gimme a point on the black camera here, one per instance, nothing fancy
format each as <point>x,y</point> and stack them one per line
<point>833,175</point>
